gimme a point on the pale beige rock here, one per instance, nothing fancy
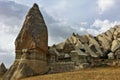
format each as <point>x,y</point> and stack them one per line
<point>109,34</point>
<point>72,40</point>
<point>107,37</point>
<point>111,55</point>
<point>115,45</point>
<point>96,49</point>
<point>60,45</point>
<point>104,42</point>
<point>112,30</point>
<point>92,40</point>
<point>83,39</point>
<point>115,34</point>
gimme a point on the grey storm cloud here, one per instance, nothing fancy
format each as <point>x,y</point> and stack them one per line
<point>12,10</point>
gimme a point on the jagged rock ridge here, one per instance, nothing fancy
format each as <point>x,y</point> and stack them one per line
<point>96,46</point>
<point>89,49</point>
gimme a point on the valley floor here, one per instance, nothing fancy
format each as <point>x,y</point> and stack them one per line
<point>107,73</point>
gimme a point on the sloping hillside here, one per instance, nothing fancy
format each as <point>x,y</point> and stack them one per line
<point>108,73</point>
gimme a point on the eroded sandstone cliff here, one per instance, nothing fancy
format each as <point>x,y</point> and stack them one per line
<point>31,47</point>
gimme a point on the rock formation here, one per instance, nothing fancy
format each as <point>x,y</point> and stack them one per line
<point>31,47</point>
<point>78,51</point>
<point>2,69</point>
<point>87,48</point>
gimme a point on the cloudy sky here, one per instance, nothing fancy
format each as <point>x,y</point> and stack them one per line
<point>63,17</point>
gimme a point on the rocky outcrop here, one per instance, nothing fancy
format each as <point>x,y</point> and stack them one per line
<point>115,45</point>
<point>2,69</point>
<point>105,45</point>
<point>31,47</point>
<point>78,51</point>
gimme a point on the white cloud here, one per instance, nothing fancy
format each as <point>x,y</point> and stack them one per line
<point>11,17</point>
<point>105,5</point>
<point>57,9</point>
<point>104,25</point>
<point>6,45</point>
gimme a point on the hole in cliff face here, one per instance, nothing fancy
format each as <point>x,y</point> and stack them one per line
<point>105,56</point>
<point>83,50</point>
<point>93,48</point>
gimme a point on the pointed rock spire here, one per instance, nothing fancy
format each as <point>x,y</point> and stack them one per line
<point>31,47</point>
<point>2,69</point>
<point>34,32</point>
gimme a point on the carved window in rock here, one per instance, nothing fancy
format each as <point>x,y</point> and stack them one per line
<point>93,48</point>
<point>83,50</point>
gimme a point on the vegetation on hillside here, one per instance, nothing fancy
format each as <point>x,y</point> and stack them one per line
<point>108,73</point>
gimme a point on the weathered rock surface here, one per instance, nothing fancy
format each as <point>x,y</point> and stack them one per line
<point>31,47</point>
<point>2,69</point>
<point>78,51</point>
<point>105,45</point>
<point>115,45</point>
<point>111,55</point>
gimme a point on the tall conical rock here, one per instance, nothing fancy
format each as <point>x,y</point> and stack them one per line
<point>31,47</point>
<point>34,32</point>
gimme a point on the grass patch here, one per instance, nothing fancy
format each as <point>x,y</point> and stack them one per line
<point>107,73</point>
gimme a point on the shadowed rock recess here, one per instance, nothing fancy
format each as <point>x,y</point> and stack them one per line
<point>31,47</point>
<point>34,57</point>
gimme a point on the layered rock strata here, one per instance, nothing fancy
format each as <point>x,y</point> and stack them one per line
<point>31,47</point>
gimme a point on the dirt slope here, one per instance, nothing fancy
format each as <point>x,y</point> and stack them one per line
<point>111,73</point>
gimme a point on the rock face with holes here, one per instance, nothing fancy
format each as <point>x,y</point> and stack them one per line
<point>88,49</point>
<point>78,51</point>
<point>31,47</point>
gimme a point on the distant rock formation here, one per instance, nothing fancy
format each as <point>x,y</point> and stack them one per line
<point>82,49</point>
<point>31,47</point>
<point>94,46</point>
<point>2,69</point>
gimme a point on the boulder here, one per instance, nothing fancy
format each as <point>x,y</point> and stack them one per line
<point>115,34</point>
<point>111,55</point>
<point>72,40</point>
<point>84,65</point>
<point>92,40</point>
<point>83,39</point>
<point>96,49</point>
<point>112,30</point>
<point>107,37</point>
<point>115,45</point>
<point>109,34</point>
<point>31,47</point>
<point>104,42</point>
